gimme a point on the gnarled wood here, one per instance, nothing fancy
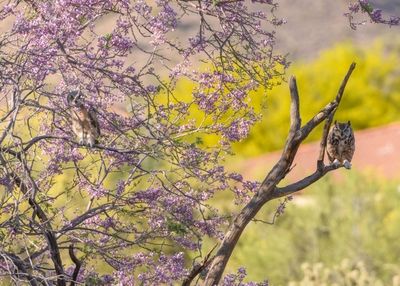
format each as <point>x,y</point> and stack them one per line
<point>268,189</point>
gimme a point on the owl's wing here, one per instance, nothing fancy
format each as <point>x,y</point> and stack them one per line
<point>94,122</point>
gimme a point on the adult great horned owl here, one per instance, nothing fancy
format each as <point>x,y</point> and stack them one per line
<point>84,122</point>
<point>341,144</point>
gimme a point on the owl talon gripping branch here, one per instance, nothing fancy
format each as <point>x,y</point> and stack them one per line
<point>347,164</point>
<point>341,144</point>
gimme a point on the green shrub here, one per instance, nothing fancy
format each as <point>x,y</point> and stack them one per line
<point>357,218</point>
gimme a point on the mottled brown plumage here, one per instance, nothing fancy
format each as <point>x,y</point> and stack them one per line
<point>341,144</point>
<point>84,122</point>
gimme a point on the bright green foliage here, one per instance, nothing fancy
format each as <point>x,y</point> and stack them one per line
<point>372,95</point>
<point>357,219</point>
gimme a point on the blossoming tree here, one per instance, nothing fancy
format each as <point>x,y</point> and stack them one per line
<point>123,210</point>
<point>374,14</point>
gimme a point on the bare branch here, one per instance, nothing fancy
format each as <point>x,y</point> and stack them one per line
<point>268,189</point>
<point>294,106</point>
<point>77,262</point>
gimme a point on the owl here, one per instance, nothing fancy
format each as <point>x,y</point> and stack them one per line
<point>341,144</point>
<point>84,122</point>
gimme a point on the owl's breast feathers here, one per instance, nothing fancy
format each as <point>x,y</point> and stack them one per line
<point>340,148</point>
<point>85,124</point>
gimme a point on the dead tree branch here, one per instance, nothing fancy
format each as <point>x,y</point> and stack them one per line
<point>268,189</point>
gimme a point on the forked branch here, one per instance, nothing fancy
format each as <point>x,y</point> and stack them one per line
<point>268,189</point>
<point>46,229</point>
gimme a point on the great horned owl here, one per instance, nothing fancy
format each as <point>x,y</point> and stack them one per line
<point>84,122</point>
<point>341,144</point>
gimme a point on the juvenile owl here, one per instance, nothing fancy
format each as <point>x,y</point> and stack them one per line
<point>341,144</point>
<point>84,122</point>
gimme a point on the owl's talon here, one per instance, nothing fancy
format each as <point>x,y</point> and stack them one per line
<point>335,165</point>
<point>347,164</point>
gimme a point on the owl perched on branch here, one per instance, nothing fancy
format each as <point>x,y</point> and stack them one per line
<point>84,122</point>
<point>341,144</point>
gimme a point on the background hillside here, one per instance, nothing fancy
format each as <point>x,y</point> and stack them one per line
<point>313,26</point>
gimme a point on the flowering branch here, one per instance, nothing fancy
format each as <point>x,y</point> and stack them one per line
<point>374,14</point>
<point>44,227</point>
<point>146,185</point>
<point>280,210</point>
<point>198,268</point>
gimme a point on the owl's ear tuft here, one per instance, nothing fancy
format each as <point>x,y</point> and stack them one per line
<point>348,123</point>
<point>74,96</point>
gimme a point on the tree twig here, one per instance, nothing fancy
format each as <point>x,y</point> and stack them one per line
<point>199,268</point>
